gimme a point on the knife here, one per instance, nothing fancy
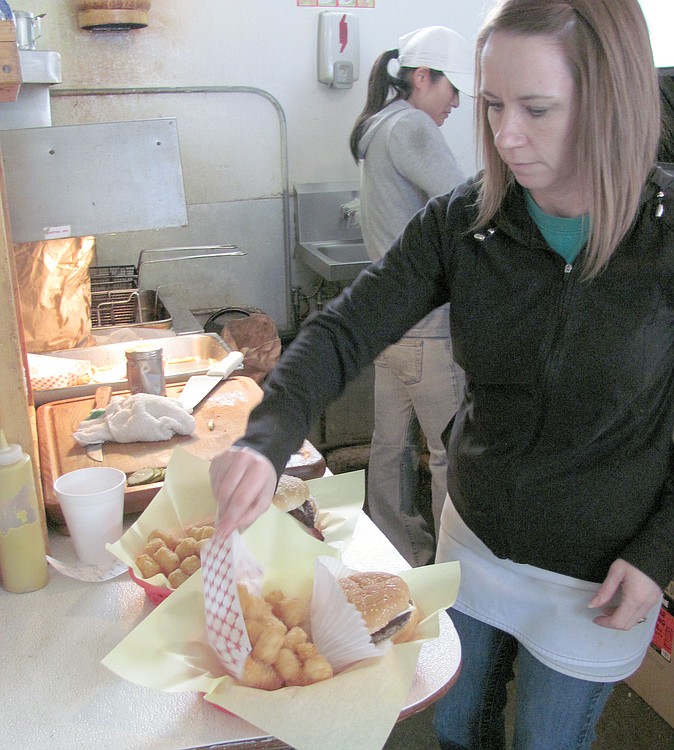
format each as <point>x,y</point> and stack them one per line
<point>199,386</point>
<point>101,400</point>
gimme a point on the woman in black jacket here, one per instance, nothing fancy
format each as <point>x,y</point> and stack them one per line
<point>558,262</point>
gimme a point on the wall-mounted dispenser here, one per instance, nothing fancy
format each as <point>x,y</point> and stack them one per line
<point>338,49</point>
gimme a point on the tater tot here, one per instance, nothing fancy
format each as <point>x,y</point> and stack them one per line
<point>281,652</point>
<point>176,578</point>
<point>290,610</point>
<point>169,540</point>
<point>288,665</point>
<point>167,560</point>
<point>187,547</point>
<point>190,565</point>
<point>255,628</point>
<point>176,558</point>
<point>200,544</point>
<point>202,532</point>
<point>259,675</point>
<point>147,566</point>
<point>153,545</point>
<point>253,607</point>
<point>316,669</point>
<point>270,642</point>
<point>274,596</point>
<point>294,637</point>
<point>306,650</point>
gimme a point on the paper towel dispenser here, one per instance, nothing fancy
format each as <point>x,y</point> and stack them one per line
<point>338,49</point>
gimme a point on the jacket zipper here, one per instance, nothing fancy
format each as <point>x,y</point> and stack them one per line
<point>559,322</point>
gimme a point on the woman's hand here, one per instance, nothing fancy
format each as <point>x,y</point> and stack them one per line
<point>640,594</point>
<point>243,482</point>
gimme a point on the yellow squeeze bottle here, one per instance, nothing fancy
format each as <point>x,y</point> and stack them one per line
<point>23,562</point>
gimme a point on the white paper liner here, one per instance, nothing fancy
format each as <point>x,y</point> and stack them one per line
<point>337,627</point>
<point>89,573</point>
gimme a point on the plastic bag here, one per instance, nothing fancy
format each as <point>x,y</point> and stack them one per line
<point>256,337</point>
<point>55,293</point>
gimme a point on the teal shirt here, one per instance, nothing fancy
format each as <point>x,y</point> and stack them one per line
<point>566,236</point>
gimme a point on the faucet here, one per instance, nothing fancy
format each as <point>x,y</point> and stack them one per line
<point>351,212</point>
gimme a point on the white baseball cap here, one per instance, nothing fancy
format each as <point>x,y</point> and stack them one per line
<point>440,48</point>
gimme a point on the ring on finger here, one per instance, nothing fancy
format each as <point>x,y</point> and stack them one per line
<point>640,620</point>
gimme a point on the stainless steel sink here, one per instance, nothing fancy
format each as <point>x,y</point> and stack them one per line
<point>335,260</point>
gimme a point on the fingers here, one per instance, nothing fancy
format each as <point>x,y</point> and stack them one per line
<point>243,482</point>
<point>608,589</point>
<point>639,594</point>
<point>617,620</point>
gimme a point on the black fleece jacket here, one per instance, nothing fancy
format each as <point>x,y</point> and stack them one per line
<point>560,455</point>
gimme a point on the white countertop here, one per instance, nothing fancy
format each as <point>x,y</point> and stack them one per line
<point>56,695</point>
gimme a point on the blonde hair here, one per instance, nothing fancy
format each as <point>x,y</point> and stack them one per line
<point>608,50</point>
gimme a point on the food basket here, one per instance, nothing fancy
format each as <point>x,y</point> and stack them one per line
<point>171,649</point>
<point>103,278</point>
<point>114,295</point>
<point>116,300</point>
<point>156,594</point>
<point>185,501</point>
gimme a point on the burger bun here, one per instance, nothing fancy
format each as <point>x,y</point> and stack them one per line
<point>291,493</point>
<point>385,603</point>
<point>292,496</point>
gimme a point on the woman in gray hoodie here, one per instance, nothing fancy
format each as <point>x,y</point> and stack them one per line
<point>405,161</point>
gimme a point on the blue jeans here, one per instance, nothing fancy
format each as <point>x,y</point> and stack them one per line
<point>417,384</point>
<point>553,711</point>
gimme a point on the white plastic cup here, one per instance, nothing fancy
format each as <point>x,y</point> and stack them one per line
<point>92,501</point>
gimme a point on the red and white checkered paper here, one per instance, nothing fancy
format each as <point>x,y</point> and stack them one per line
<point>225,561</point>
<point>48,372</point>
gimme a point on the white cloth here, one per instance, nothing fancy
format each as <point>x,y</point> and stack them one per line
<point>142,417</point>
<point>547,612</point>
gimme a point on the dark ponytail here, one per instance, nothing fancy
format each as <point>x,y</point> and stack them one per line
<point>380,88</point>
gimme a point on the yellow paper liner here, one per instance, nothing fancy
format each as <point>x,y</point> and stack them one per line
<point>185,500</point>
<point>169,649</point>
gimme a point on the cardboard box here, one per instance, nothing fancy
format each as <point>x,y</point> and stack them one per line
<point>654,680</point>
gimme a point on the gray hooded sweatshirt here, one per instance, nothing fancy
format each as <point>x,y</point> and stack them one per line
<point>405,161</point>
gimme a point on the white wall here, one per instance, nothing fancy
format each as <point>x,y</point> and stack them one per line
<point>660,19</point>
<point>230,143</point>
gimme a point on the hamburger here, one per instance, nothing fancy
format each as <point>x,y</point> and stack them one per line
<point>292,496</point>
<point>385,603</point>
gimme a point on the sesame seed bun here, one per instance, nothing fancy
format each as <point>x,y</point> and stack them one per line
<point>291,493</point>
<point>405,632</point>
<point>384,601</point>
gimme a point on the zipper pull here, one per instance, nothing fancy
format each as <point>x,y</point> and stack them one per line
<point>659,209</point>
<point>567,269</point>
<point>481,237</point>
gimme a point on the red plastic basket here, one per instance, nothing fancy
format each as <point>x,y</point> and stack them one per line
<point>156,594</point>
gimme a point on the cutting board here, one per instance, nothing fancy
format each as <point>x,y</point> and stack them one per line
<point>220,420</point>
